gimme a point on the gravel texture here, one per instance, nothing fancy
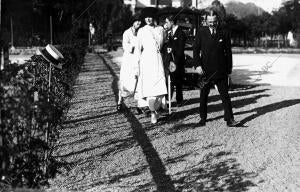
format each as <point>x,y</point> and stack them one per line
<point>108,151</point>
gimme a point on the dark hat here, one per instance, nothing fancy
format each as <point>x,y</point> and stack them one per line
<point>149,12</point>
<point>51,54</point>
<point>136,17</point>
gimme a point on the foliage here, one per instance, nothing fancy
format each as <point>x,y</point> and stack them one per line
<point>71,20</point>
<point>29,124</point>
<point>254,27</point>
<point>31,19</point>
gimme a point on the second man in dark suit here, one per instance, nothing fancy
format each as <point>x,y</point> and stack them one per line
<point>175,48</point>
<point>213,59</point>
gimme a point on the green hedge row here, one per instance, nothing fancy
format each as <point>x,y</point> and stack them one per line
<point>31,114</point>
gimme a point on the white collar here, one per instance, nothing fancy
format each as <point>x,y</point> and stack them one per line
<point>211,30</point>
<point>174,28</point>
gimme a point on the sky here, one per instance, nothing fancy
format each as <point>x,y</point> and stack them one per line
<point>267,5</point>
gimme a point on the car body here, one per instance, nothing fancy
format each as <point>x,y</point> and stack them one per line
<point>190,21</point>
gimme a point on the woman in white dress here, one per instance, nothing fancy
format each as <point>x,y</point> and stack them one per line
<point>129,67</point>
<point>151,81</point>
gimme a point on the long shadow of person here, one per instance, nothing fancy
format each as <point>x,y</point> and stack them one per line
<point>162,181</point>
<point>267,108</point>
<point>214,98</point>
<point>179,116</point>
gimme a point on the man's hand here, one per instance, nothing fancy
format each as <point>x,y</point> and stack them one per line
<point>199,70</point>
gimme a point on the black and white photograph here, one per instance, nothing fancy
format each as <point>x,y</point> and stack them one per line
<point>149,95</point>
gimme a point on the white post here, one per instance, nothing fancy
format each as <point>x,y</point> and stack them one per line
<point>133,5</point>
<point>49,77</point>
<point>169,92</point>
<point>195,3</point>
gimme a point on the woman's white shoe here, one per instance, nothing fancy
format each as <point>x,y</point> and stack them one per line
<point>164,104</point>
<point>153,117</point>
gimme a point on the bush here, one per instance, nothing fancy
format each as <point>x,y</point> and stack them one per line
<point>31,115</point>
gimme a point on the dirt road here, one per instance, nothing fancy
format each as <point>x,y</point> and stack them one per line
<point>108,151</point>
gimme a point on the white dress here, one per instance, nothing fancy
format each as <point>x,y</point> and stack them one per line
<point>129,65</point>
<point>151,82</point>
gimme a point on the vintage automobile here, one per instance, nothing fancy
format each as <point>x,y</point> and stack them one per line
<point>190,21</point>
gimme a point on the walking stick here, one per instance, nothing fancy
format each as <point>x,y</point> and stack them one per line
<point>169,92</point>
<point>172,68</point>
<point>136,82</point>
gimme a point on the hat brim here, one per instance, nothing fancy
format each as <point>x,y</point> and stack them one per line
<point>43,53</point>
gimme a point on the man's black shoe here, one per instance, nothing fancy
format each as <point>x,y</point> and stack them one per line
<point>202,123</point>
<point>120,107</point>
<point>138,111</point>
<point>232,123</point>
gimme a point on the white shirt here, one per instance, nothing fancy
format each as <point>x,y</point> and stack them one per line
<point>212,30</point>
<point>174,28</point>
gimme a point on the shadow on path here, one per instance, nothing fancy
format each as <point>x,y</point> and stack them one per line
<point>267,109</point>
<point>180,115</point>
<point>213,98</point>
<point>258,112</point>
<point>157,168</point>
<point>216,172</point>
<point>89,118</point>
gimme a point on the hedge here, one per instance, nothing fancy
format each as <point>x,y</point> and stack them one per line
<point>31,116</point>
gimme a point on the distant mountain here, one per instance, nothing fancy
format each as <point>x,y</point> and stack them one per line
<point>242,10</point>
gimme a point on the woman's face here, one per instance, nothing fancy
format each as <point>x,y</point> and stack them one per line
<point>149,20</point>
<point>136,24</point>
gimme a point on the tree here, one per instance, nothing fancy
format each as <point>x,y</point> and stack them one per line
<point>236,27</point>
<point>219,8</point>
<point>31,18</point>
<point>291,8</point>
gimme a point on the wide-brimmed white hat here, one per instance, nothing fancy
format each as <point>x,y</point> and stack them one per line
<point>51,54</point>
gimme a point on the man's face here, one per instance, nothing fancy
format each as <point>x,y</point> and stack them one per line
<point>212,21</point>
<point>149,20</point>
<point>136,24</point>
<point>168,24</point>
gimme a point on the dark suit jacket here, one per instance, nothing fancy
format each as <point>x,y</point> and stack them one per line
<point>216,55</point>
<point>177,43</point>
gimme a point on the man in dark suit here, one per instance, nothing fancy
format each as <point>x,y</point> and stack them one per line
<point>175,52</point>
<point>213,60</point>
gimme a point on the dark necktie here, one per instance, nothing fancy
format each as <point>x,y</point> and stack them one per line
<point>169,35</point>
<point>213,33</point>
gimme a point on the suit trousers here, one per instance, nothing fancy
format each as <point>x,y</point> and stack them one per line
<point>222,85</point>
<point>177,81</point>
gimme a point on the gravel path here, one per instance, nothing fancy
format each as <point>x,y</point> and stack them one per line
<point>109,151</point>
